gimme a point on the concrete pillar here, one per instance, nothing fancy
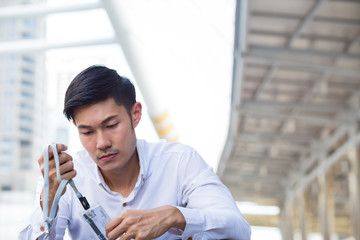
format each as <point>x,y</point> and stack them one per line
<point>354,186</point>
<point>302,214</point>
<point>326,205</point>
<point>286,223</point>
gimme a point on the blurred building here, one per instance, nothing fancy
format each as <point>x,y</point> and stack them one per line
<point>22,88</point>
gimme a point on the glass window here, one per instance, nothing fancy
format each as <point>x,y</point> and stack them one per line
<point>25,143</point>
<point>6,188</point>
<point>26,118</point>
<point>7,142</point>
<point>30,22</point>
<point>27,82</point>
<point>25,130</point>
<point>28,59</point>
<point>26,35</point>
<point>26,94</point>
<point>27,71</point>
<point>10,80</point>
<point>7,154</point>
<point>26,106</point>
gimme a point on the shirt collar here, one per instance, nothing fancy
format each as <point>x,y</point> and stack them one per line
<point>142,162</point>
<point>142,172</point>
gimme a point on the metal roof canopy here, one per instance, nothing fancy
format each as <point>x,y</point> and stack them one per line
<point>295,99</point>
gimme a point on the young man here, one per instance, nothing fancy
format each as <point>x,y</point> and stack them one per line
<point>150,190</point>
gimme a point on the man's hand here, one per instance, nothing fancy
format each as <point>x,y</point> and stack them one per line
<point>66,170</point>
<point>145,224</point>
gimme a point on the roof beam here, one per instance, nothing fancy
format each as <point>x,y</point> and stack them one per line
<point>295,83</point>
<point>303,181</point>
<point>310,37</point>
<point>267,198</point>
<point>267,179</point>
<point>264,158</point>
<point>280,106</point>
<point>306,98</point>
<point>308,18</point>
<point>262,50</point>
<point>293,64</point>
<point>320,162</point>
<point>271,190</point>
<point>269,75</point>
<point>311,166</point>
<point>244,166</point>
<point>35,10</point>
<point>286,146</point>
<point>310,120</point>
<point>36,45</point>
<point>348,21</point>
<point>341,130</point>
<point>296,34</point>
<point>353,43</point>
<point>240,47</point>
<point>239,165</point>
<point>307,163</point>
<point>317,88</point>
<point>257,137</point>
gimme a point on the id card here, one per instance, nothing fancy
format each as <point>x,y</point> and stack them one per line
<point>97,218</point>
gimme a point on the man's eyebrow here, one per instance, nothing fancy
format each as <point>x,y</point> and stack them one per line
<point>108,119</point>
<point>102,122</point>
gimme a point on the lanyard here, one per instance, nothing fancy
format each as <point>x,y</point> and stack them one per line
<point>50,217</point>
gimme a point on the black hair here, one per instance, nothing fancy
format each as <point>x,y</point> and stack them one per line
<point>95,84</point>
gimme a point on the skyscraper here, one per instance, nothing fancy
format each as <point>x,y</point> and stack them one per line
<point>22,88</point>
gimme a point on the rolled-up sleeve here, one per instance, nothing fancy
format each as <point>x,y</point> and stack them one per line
<point>208,206</point>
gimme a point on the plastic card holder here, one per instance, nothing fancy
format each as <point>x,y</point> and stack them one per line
<point>97,218</point>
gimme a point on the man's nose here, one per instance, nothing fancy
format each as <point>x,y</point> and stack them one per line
<point>103,141</point>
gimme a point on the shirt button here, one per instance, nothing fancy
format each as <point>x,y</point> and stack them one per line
<point>124,204</point>
<point>190,238</point>
<point>144,179</point>
<point>42,228</point>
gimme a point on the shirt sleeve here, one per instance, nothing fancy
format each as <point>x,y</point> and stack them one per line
<point>35,226</point>
<point>208,206</point>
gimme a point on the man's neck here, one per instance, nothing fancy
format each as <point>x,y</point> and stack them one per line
<point>123,181</point>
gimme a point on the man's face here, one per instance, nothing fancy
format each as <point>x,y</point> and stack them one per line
<point>106,132</point>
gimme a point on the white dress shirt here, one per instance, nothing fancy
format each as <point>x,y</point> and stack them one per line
<point>170,174</point>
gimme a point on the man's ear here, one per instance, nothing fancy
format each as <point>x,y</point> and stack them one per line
<point>136,113</point>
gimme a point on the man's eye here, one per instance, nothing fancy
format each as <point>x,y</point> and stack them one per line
<point>87,133</point>
<point>112,125</point>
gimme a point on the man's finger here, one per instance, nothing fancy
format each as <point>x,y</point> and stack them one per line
<point>66,167</point>
<point>59,147</point>
<point>116,232</point>
<point>64,157</point>
<point>69,175</point>
<point>127,236</point>
<point>113,224</point>
<point>118,226</point>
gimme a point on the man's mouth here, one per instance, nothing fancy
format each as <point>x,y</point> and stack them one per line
<point>107,157</point>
